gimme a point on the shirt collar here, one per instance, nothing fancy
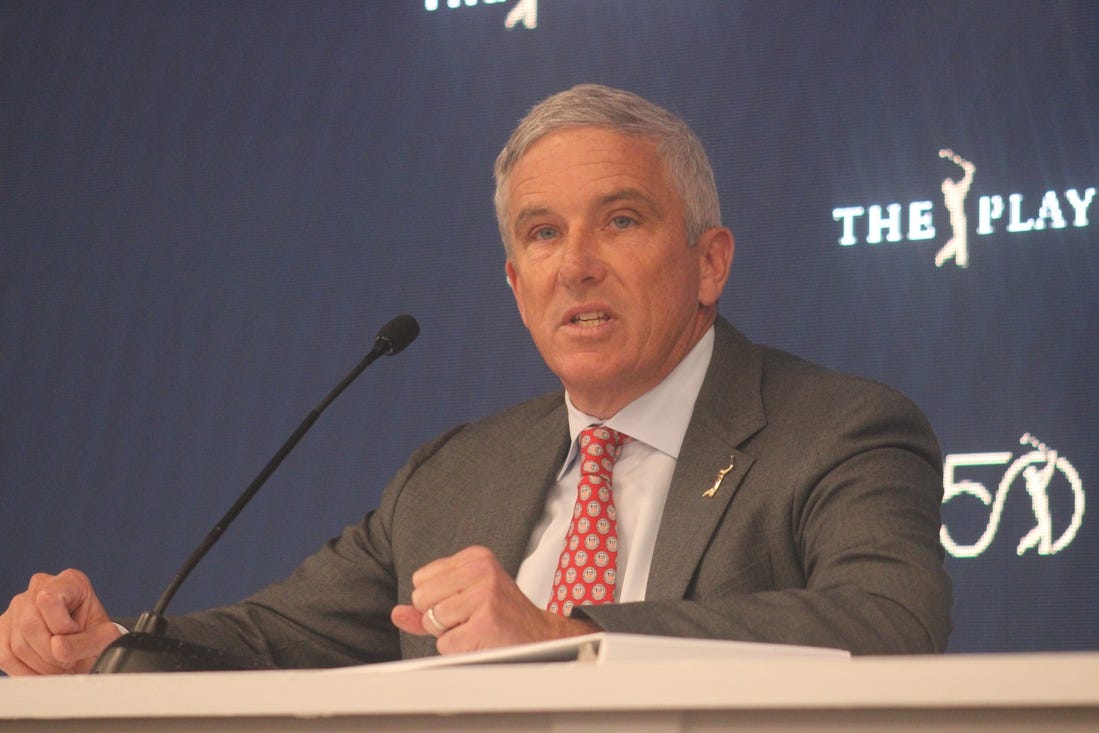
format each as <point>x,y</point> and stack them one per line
<point>659,417</point>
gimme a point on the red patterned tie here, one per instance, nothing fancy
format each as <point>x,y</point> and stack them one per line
<point>586,573</point>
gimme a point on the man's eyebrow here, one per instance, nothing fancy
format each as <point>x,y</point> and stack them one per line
<point>528,213</point>
<point>628,195</point>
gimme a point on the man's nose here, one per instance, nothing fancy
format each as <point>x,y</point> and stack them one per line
<point>582,259</point>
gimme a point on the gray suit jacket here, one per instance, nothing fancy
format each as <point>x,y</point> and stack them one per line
<point>825,532</point>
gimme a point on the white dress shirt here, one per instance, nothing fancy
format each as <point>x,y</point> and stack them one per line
<point>657,422</point>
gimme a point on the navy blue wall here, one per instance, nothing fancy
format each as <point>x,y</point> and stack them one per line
<point>207,209</point>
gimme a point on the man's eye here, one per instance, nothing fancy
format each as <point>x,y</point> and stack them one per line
<point>543,234</point>
<point>622,222</point>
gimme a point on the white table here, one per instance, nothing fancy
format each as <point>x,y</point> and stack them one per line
<point>951,693</point>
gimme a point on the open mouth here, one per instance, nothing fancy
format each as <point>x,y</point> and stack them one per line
<point>589,320</point>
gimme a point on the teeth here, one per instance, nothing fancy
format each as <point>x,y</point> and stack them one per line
<point>589,319</point>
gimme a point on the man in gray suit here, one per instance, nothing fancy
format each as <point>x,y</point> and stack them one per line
<point>758,497</point>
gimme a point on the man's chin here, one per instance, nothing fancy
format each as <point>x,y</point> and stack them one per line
<point>594,390</point>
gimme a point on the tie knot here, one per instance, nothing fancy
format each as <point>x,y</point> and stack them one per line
<point>599,448</point>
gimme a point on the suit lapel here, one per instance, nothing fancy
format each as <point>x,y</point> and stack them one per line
<point>511,501</point>
<point>728,411</point>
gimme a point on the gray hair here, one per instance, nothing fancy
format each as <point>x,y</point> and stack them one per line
<point>593,105</point>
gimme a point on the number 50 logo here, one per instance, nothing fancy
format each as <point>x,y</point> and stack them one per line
<point>1037,468</point>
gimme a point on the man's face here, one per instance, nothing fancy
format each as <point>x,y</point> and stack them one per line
<point>600,266</point>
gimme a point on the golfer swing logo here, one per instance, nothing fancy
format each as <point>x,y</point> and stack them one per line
<point>954,193</point>
<point>524,13</point>
<point>1037,468</point>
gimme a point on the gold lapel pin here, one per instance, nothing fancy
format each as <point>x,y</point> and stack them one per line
<point>720,477</point>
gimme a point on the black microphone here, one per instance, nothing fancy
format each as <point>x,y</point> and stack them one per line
<point>145,648</point>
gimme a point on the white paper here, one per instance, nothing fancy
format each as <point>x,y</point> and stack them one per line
<point>602,648</point>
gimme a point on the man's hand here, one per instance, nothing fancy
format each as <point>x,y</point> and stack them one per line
<point>57,626</point>
<point>468,602</point>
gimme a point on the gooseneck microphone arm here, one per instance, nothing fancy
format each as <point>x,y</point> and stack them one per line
<point>391,339</point>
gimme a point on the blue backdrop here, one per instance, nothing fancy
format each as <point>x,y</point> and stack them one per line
<point>209,208</point>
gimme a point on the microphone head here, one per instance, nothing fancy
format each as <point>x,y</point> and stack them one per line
<point>397,334</point>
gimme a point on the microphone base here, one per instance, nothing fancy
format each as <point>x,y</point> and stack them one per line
<point>143,652</point>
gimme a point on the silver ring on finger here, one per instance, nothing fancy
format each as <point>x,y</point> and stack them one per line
<point>434,621</point>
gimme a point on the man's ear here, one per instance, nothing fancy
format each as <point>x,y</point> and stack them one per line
<point>509,272</point>
<point>516,288</point>
<point>715,258</point>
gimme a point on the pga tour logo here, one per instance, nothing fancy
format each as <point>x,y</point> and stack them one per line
<point>894,222</point>
<point>1047,479</point>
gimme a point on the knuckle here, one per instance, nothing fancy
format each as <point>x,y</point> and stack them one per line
<point>73,574</point>
<point>478,553</point>
<point>39,579</point>
<point>20,647</point>
<point>482,560</point>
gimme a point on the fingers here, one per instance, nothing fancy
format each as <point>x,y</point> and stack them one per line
<point>504,619</point>
<point>25,637</point>
<point>57,600</point>
<point>468,602</point>
<point>449,591</point>
<point>436,626</point>
<point>408,619</point>
<point>10,662</point>
<point>450,576</point>
<point>441,596</point>
<point>81,650</point>
<point>56,626</point>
